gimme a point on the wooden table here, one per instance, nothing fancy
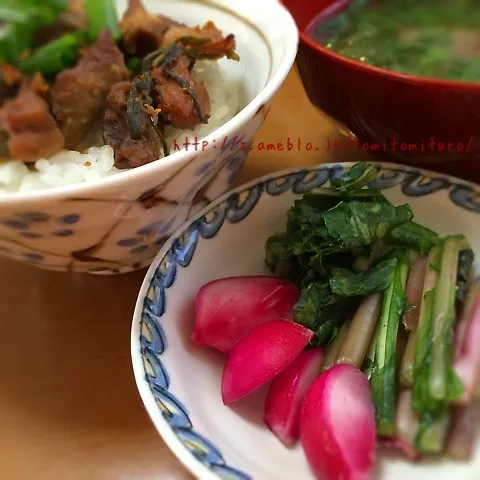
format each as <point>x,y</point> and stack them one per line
<point>69,407</point>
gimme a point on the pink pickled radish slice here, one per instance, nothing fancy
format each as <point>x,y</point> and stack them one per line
<point>228,308</point>
<point>337,425</point>
<point>286,393</point>
<point>261,355</point>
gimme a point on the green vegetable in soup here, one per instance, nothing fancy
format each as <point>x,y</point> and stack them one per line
<point>434,38</point>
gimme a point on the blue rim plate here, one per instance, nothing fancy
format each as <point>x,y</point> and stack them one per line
<point>179,382</point>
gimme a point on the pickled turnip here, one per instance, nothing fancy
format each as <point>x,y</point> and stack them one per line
<point>228,308</point>
<point>337,425</point>
<point>286,393</point>
<point>260,355</point>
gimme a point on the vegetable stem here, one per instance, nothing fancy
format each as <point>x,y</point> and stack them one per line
<point>408,361</point>
<point>102,14</point>
<point>435,382</point>
<point>360,331</point>
<point>444,317</point>
<point>369,360</point>
<point>407,421</point>
<point>418,346</point>
<point>334,347</point>
<point>465,263</point>
<point>363,263</point>
<point>54,56</point>
<point>432,432</point>
<point>461,438</point>
<point>383,376</point>
<point>414,291</point>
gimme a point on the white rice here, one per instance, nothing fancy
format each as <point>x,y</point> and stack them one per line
<point>70,167</point>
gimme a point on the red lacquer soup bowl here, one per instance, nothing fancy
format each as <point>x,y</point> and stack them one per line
<point>426,122</point>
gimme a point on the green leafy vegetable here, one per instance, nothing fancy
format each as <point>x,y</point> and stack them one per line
<point>383,377</point>
<point>312,300</point>
<point>409,37</point>
<point>302,248</point>
<point>322,311</point>
<point>324,237</point>
<point>356,178</point>
<point>340,248</point>
<point>15,40</point>
<point>9,13</point>
<point>102,14</point>
<point>413,235</point>
<point>348,284</point>
<point>22,18</point>
<point>355,224</point>
<point>277,250</point>
<point>135,65</point>
<point>371,255</point>
<point>54,56</point>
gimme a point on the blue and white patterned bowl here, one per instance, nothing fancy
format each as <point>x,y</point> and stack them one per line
<point>179,382</point>
<point>117,224</point>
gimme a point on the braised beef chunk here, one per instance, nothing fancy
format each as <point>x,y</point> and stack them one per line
<point>142,31</point>
<point>99,96</point>
<point>10,79</point>
<point>9,75</point>
<point>32,130</point>
<point>79,93</point>
<point>129,152</point>
<point>183,102</point>
<point>207,41</point>
<point>70,20</point>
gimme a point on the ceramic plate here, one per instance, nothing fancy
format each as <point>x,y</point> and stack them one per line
<point>180,382</point>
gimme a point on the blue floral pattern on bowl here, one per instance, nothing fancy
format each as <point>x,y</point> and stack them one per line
<point>151,344</point>
<point>122,231</point>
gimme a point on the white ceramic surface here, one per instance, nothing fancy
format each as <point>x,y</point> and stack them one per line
<point>179,382</point>
<point>117,224</point>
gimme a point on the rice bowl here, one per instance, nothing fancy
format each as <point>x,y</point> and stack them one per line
<point>116,223</point>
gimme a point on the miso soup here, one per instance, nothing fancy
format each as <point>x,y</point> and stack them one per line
<point>432,38</point>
